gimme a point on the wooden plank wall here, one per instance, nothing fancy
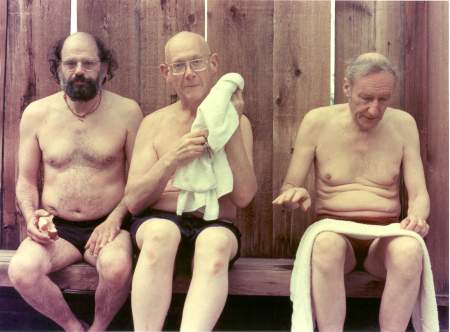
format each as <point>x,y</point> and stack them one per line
<point>437,140</point>
<point>3,25</point>
<point>282,49</point>
<point>33,26</point>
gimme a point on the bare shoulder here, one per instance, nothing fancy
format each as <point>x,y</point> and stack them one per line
<point>37,111</point>
<point>244,122</point>
<point>126,106</point>
<point>317,118</point>
<point>400,119</point>
<point>156,120</point>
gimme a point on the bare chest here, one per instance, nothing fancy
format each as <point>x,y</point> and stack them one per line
<point>96,145</point>
<point>342,159</point>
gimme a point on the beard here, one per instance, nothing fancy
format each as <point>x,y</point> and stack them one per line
<point>80,88</point>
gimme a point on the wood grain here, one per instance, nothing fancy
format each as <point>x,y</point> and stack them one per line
<point>33,27</point>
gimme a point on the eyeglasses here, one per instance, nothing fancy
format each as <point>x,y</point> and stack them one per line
<point>179,68</point>
<point>87,65</point>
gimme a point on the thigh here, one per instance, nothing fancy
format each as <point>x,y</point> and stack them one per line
<point>350,257</point>
<point>120,246</point>
<point>217,238</point>
<point>52,257</point>
<point>384,249</point>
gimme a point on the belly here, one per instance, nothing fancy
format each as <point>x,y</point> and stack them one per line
<point>358,203</point>
<point>82,193</point>
<point>168,202</point>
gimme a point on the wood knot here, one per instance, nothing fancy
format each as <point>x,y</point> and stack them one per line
<point>278,101</point>
<point>297,72</point>
<point>191,19</point>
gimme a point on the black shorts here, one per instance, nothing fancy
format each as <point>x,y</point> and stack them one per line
<point>190,227</point>
<point>78,232</point>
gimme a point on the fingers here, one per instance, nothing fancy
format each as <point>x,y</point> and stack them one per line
<point>99,238</point>
<point>37,236</point>
<point>237,100</point>
<point>415,224</point>
<point>293,198</point>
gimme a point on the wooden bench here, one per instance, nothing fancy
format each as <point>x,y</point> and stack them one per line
<point>249,276</point>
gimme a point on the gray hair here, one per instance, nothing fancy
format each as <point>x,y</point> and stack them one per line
<point>366,64</point>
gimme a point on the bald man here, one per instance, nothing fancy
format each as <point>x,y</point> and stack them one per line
<point>358,150</point>
<point>83,136</point>
<point>164,143</point>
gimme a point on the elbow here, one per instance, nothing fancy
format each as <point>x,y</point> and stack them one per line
<point>131,204</point>
<point>244,196</point>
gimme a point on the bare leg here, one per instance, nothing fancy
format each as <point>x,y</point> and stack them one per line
<point>28,272</point>
<point>151,292</point>
<point>400,260</point>
<point>332,257</point>
<point>114,271</point>
<point>214,248</point>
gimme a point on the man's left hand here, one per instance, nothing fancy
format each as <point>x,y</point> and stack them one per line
<point>238,102</point>
<point>102,235</point>
<point>415,224</point>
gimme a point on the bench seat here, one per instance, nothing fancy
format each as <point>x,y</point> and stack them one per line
<point>249,276</point>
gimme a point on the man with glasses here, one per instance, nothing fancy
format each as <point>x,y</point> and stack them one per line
<point>164,143</point>
<point>83,137</point>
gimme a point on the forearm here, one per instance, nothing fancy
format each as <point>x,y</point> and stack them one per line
<point>27,198</point>
<point>146,190</point>
<point>244,179</point>
<point>419,205</point>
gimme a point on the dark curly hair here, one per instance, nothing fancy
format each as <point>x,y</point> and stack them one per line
<point>106,56</point>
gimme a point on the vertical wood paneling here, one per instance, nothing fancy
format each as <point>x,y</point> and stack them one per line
<point>437,148</point>
<point>138,31</point>
<point>301,83</point>
<point>368,26</point>
<point>32,28</point>
<point>3,25</point>
<point>242,33</point>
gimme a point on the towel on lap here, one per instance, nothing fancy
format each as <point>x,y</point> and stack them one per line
<point>425,316</point>
<point>205,179</point>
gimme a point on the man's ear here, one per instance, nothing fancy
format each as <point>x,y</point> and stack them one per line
<point>347,88</point>
<point>164,70</point>
<point>214,62</point>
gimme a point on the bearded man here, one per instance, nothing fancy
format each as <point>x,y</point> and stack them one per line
<point>82,138</point>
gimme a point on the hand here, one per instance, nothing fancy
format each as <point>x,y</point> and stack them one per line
<point>191,146</point>
<point>237,100</point>
<point>102,235</point>
<point>33,231</point>
<point>415,224</point>
<point>294,198</point>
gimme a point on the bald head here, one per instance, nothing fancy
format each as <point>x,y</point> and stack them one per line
<point>82,37</point>
<point>183,40</point>
<point>366,64</point>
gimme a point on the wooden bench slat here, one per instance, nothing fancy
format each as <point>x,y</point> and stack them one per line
<point>249,276</point>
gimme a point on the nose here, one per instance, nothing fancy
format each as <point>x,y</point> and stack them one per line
<point>79,68</point>
<point>189,72</point>
<point>374,109</point>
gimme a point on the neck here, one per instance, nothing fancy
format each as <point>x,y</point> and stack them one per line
<point>83,108</point>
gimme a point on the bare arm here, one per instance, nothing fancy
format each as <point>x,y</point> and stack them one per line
<point>239,151</point>
<point>292,192</point>
<point>27,181</point>
<point>418,199</point>
<point>149,174</point>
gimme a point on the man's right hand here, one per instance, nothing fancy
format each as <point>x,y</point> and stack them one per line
<point>293,198</point>
<point>32,228</point>
<point>190,146</point>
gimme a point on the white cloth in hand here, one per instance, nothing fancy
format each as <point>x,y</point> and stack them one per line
<point>205,179</point>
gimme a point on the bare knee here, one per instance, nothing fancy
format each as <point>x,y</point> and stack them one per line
<point>115,267</point>
<point>160,242</point>
<point>24,272</point>
<point>212,252</point>
<point>329,251</point>
<point>404,257</point>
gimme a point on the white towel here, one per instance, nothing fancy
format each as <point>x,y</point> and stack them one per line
<point>204,180</point>
<point>425,316</point>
